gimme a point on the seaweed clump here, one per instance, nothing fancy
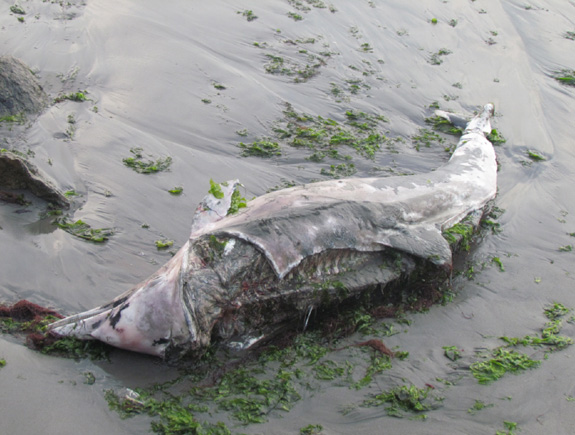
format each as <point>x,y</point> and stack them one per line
<point>32,320</point>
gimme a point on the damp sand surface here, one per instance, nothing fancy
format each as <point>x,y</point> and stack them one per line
<point>192,80</point>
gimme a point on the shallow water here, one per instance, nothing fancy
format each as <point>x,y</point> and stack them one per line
<point>147,67</point>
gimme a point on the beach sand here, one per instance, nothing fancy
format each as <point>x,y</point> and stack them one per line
<point>181,79</point>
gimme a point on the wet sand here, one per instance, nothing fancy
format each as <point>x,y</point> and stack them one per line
<point>147,67</point>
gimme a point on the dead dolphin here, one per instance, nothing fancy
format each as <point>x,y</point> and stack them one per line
<point>291,250</point>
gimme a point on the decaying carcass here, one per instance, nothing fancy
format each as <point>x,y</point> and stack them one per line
<point>292,250</point>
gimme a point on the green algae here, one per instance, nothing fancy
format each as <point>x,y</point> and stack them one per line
<point>248,14</point>
<point>426,138</point>
<point>311,429</point>
<point>19,118</point>
<point>164,244</point>
<point>78,97</point>
<point>535,156</point>
<point>502,361</point>
<point>70,347</point>
<point>510,428</point>
<point>17,9</point>
<point>506,359</point>
<point>216,190</point>
<point>499,263</point>
<point>323,138</point>
<point>176,190</point>
<point>479,405</point>
<point>496,138</point>
<point>402,399</point>
<point>146,166</point>
<point>260,148</point>
<point>566,77</point>
<point>237,202</point>
<point>84,231</point>
<point>436,58</point>
<point>452,352</point>
<point>460,234</point>
<point>443,125</point>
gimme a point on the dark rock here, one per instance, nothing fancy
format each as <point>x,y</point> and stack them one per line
<point>18,173</point>
<point>20,91</point>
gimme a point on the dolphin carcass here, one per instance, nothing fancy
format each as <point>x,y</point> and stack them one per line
<point>289,251</point>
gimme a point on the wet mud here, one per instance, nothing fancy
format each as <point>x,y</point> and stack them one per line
<point>191,82</point>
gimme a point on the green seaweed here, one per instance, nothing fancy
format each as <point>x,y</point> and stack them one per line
<point>329,370</point>
<point>71,130</point>
<point>452,352</point>
<point>9,325</point>
<point>249,14</point>
<point>175,417</point>
<point>138,164</point>
<point>510,426</point>
<point>311,429</point>
<point>294,16</point>
<point>502,361</point>
<point>323,136</point>
<point>84,231</point>
<point>260,148</point>
<point>549,333</point>
<point>377,365</point>
<point>2,362</point>
<point>443,125</point>
<point>17,9</point>
<point>78,97</point>
<point>19,118</point>
<point>164,244</point>
<point>176,190</point>
<point>300,69</point>
<point>251,399</point>
<point>339,171</point>
<point>479,405</point>
<point>566,77</point>
<point>404,398</point>
<point>89,378</point>
<point>436,58</point>
<point>237,202</point>
<point>499,263</point>
<point>535,156</point>
<point>426,138</point>
<point>489,220</point>
<point>70,347</point>
<point>556,310</point>
<point>216,190</point>
<point>496,138</point>
<point>460,233</point>
<point>250,393</point>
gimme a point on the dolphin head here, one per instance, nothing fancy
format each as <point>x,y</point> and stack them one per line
<point>149,318</point>
<point>157,317</point>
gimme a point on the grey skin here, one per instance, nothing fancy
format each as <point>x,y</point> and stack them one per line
<point>290,251</point>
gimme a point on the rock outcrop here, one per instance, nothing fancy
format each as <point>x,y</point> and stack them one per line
<point>18,173</point>
<point>20,91</point>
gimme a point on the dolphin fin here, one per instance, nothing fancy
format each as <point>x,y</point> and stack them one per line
<point>424,241</point>
<point>214,207</point>
<point>456,120</point>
